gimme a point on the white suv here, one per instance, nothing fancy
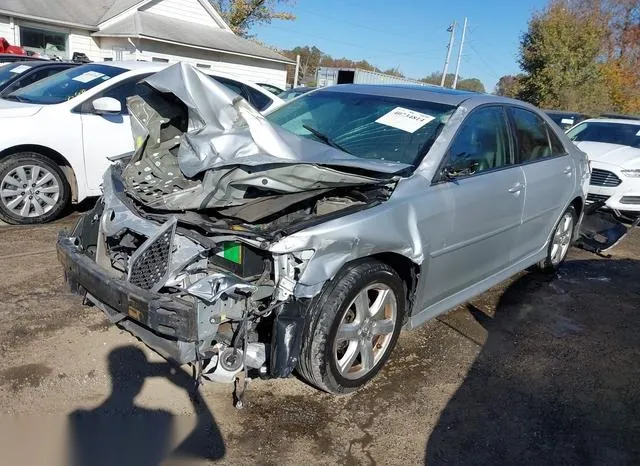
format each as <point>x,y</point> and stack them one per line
<point>57,134</point>
<point>613,148</point>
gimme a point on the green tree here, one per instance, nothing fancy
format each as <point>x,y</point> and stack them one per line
<point>394,72</point>
<point>560,54</point>
<point>509,85</point>
<point>310,59</point>
<point>241,15</point>
<point>470,84</point>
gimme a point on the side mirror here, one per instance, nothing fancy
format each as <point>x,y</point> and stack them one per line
<point>106,105</point>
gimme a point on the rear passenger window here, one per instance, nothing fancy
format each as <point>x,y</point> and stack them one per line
<point>556,146</point>
<point>482,143</point>
<point>531,133</point>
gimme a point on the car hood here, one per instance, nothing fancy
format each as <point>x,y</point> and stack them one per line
<point>613,154</point>
<point>223,152</point>
<point>9,109</point>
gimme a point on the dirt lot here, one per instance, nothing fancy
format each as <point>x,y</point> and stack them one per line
<point>537,370</point>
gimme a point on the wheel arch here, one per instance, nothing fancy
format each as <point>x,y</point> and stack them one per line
<point>407,270</point>
<point>53,156</point>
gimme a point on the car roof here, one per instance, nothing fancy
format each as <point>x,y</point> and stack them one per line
<point>427,93</point>
<point>39,63</point>
<point>624,121</point>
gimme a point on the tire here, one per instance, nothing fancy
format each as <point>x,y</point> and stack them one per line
<point>324,353</point>
<point>30,205</point>
<point>562,237</point>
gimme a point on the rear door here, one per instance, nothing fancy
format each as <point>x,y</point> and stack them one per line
<point>481,220</point>
<point>549,175</point>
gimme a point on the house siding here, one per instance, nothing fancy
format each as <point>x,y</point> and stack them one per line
<point>247,68</point>
<point>186,10</point>
<point>6,31</point>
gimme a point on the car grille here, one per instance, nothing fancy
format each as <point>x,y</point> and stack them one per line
<point>630,200</point>
<point>597,198</point>
<point>604,178</point>
<point>150,263</point>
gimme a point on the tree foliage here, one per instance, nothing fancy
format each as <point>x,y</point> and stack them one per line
<point>241,15</point>
<point>465,84</point>
<point>509,85</point>
<point>583,55</point>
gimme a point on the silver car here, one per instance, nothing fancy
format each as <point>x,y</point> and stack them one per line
<point>307,240</point>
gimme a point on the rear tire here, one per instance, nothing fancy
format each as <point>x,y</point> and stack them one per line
<point>33,189</point>
<point>561,240</point>
<point>352,327</point>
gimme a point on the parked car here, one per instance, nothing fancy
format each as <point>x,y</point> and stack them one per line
<point>58,132</point>
<point>16,75</point>
<point>613,148</point>
<point>295,92</point>
<point>566,120</point>
<point>12,57</point>
<point>311,239</point>
<point>275,90</point>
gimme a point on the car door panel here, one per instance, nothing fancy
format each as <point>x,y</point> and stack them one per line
<point>550,178</point>
<point>484,206</point>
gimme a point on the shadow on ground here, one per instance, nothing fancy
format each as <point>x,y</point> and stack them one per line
<point>557,379</point>
<point>119,432</point>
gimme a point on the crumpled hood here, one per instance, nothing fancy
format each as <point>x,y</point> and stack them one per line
<point>11,109</point>
<point>613,154</point>
<point>226,153</point>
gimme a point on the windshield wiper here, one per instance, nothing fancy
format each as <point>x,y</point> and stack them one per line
<point>13,97</point>
<point>326,139</point>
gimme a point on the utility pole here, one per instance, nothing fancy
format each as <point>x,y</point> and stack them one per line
<point>297,73</point>
<point>455,78</point>
<point>452,30</point>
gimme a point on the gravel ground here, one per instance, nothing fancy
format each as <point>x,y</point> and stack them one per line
<point>538,370</point>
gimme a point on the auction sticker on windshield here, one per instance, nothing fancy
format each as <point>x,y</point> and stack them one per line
<point>20,69</point>
<point>405,119</point>
<point>88,76</point>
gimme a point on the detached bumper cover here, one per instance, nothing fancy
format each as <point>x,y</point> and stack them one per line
<point>167,325</point>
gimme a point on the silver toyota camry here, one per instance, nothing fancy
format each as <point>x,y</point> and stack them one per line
<point>308,239</point>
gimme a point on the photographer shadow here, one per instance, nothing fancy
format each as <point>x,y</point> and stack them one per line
<point>119,432</point>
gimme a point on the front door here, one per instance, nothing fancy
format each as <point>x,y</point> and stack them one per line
<point>550,178</point>
<point>482,202</point>
<point>106,135</point>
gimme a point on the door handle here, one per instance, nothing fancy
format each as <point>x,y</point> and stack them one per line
<point>567,171</point>
<point>515,189</point>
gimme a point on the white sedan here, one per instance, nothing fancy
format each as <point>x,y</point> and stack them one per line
<point>613,148</point>
<point>56,134</point>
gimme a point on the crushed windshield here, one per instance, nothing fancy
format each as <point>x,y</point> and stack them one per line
<point>610,133</point>
<point>367,126</point>
<point>66,84</point>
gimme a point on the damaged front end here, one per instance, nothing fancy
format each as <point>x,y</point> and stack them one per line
<point>601,230</point>
<point>177,251</point>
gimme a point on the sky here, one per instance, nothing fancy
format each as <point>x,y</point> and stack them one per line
<point>411,34</point>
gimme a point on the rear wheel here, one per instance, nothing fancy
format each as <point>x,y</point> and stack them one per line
<point>561,240</point>
<point>32,189</point>
<point>352,327</point>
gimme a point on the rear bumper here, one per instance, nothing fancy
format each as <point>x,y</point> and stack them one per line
<point>167,325</point>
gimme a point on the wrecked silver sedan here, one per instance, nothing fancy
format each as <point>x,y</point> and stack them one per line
<point>308,239</point>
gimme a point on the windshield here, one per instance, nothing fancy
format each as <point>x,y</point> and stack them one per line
<point>8,71</point>
<point>610,133</point>
<point>367,126</point>
<point>66,84</point>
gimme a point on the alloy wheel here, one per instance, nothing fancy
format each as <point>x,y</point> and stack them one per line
<point>29,191</point>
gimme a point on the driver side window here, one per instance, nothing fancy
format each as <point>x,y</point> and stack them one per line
<point>482,143</point>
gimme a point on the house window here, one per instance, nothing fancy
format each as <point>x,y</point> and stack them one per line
<point>44,42</point>
<point>161,60</point>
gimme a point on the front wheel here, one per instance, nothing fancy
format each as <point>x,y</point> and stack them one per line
<point>561,240</point>
<point>352,327</point>
<point>32,189</point>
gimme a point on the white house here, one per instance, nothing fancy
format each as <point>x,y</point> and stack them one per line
<point>152,30</point>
